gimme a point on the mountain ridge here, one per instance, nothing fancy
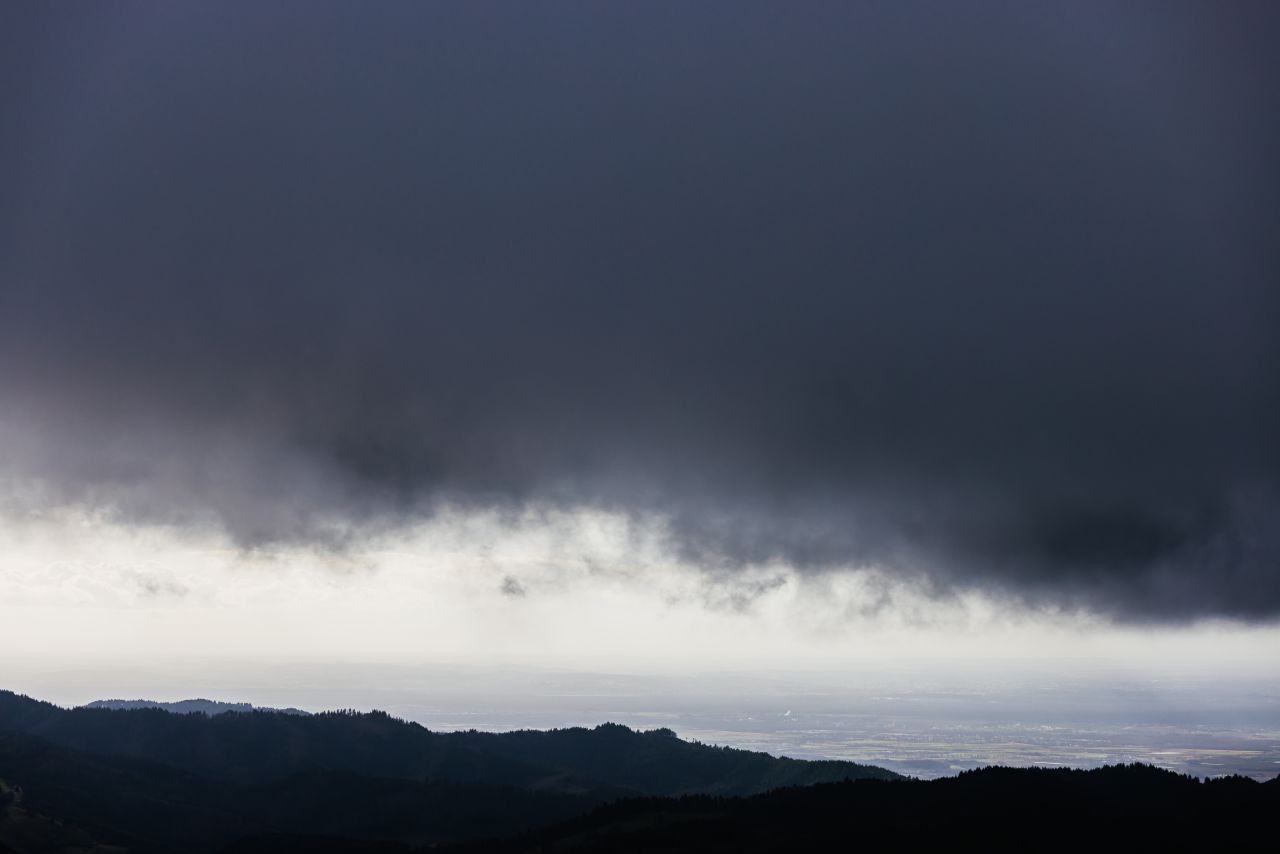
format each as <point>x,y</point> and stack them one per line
<point>609,760</point>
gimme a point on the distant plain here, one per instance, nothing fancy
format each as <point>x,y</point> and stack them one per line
<point>925,719</point>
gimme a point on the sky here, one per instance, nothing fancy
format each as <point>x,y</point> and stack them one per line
<point>685,334</point>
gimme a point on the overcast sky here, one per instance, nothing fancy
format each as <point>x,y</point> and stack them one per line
<point>827,314</point>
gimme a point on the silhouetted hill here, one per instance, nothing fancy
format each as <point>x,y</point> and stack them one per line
<point>186,707</point>
<point>543,792</point>
<point>1006,809</point>
<point>605,762</point>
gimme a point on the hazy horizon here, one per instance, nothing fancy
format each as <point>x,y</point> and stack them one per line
<point>916,718</point>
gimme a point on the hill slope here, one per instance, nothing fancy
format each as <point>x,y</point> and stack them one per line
<point>146,806</point>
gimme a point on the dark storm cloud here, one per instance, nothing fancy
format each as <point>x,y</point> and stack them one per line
<point>985,294</point>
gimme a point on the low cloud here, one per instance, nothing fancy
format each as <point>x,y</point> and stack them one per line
<point>512,587</point>
<point>839,289</point>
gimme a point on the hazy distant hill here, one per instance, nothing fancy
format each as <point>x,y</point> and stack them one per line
<point>186,707</point>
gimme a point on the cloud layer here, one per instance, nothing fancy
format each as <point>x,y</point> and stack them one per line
<point>983,297</point>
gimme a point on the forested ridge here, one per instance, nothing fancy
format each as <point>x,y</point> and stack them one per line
<point>148,780</point>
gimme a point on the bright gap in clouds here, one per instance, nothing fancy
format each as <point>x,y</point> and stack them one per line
<point>543,589</point>
<point>475,620</point>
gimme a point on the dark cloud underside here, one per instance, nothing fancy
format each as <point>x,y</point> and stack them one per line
<point>983,291</point>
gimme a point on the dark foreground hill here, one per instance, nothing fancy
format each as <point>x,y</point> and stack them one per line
<point>991,809</point>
